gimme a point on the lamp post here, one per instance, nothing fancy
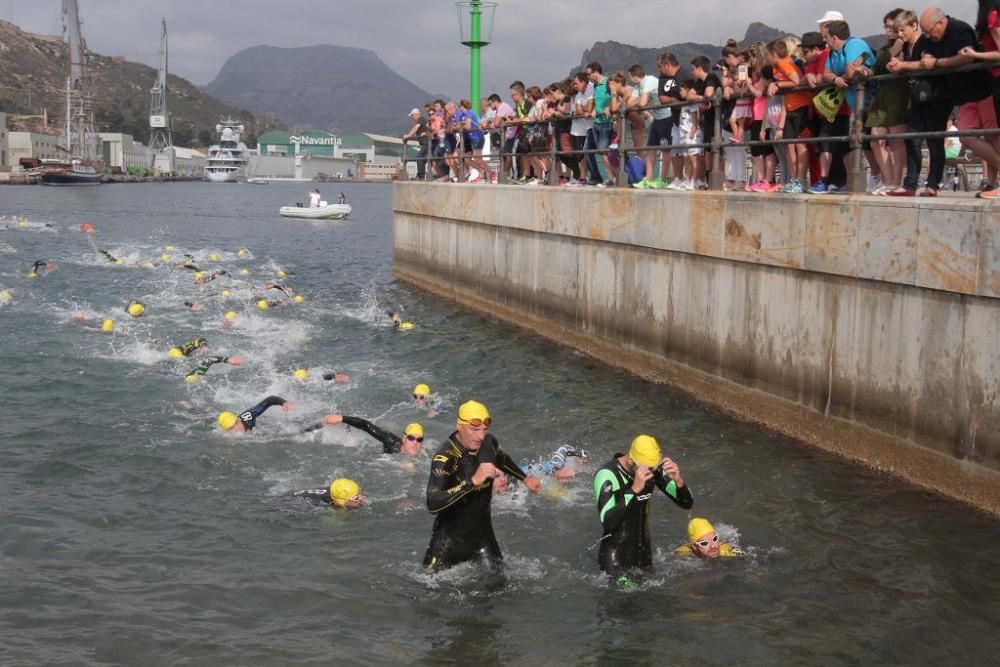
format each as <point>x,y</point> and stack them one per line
<point>473,36</point>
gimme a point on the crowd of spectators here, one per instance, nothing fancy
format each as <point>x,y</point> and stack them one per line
<point>765,96</point>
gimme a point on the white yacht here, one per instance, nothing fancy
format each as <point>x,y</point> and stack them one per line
<point>227,160</point>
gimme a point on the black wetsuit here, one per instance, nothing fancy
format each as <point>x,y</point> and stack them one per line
<point>205,364</point>
<point>463,528</point>
<point>192,345</point>
<point>111,258</point>
<point>624,516</point>
<point>317,496</point>
<point>249,417</point>
<point>391,443</point>
<point>39,264</point>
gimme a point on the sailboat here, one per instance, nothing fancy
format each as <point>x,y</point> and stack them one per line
<point>80,167</point>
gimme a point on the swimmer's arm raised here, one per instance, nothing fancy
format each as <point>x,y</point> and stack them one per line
<point>390,442</point>
<point>681,495</point>
<point>443,488</point>
<point>268,402</point>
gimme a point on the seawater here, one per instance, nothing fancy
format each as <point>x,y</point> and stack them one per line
<point>134,532</point>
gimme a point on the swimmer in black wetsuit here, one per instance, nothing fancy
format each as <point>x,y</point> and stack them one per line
<point>247,419</point>
<point>337,376</point>
<point>207,363</point>
<point>460,490</point>
<point>623,489</point>
<point>409,444</point>
<point>40,264</point>
<point>343,493</point>
<point>111,258</point>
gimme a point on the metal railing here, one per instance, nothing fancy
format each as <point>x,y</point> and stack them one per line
<point>856,137</point>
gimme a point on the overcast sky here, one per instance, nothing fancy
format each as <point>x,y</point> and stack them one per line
<point>535,40</point>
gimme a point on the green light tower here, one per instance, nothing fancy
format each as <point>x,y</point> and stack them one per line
<point>471,15</point>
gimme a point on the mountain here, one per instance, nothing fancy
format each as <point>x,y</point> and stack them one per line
<point>322,87</point>
<point>614,56</point>
<point>33,77</point>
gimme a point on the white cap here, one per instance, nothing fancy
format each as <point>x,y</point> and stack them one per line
<point>415,111</point>
<point>831,16</point>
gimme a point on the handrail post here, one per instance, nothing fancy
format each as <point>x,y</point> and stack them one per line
<point>405,176</point>
<point>428,165</point>
<point>553,171</point>
<point>502,171</point>
<point>718,170</point>
<point>461,157</point>
<point>856,183</point>
<point>622,178</point>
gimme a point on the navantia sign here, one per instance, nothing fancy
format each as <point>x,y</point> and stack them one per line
<point>314,141</point>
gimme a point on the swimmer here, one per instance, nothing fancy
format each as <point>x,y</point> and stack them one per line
<point>188,264</point>
<point>460,490</point>
<point>228,319</point>
<point>207,363</point>
<point>337,376</point>
<point>40,264</point>
<point>398,322</point>
<point>555,465</point>
<point>6,298</point>
<point>422,399</point>
<point>111,258</point>
<point>87,228</point>
<point>277,286</point>
<point>246,420</point>
<point>107,326</point>
<point>264,304</point>
<point>705,543</point>
<point>135,308</point>
<point>193,306</point>
<point>409,444</point>
<point>196,344</point>
<point>623,489</point>
<point>201,278</point>
<point>342,494</point>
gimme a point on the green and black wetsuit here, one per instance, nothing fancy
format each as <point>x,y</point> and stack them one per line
<point>625,516</point>
<point>192,345</point>
<point>391,443</point>
<point>205,364</point>
<point>463,527</point>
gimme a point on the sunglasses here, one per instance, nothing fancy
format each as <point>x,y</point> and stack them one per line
<point>415,438</point>
<point>477,422</point>
<point>705,543</point>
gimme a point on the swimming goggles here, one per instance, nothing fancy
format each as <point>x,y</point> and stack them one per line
<point>415,438</point>
<point>705,543</point>
<point>477,422</point>
<point>417,397</point>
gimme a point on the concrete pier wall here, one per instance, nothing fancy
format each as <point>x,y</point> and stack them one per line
<point>866,326</point>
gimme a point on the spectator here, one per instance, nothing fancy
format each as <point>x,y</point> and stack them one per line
<point>762,156</point>
<point>669,93</point>
<point>706,83</point>
<point>690,132</point>
<point>560,99</point>
<point>643,95</point>
<point>887,114</point>
<point>502,113</point>
<point>580,128</point>
<point>522,107</point>
<point>537,134</point>
<point>472,136</point>
<point>603,119</point>
<point>929,114</point>
<point>849,56</point>
<point>772,126</point>
<point>733,87</point>
<point>787,76</point>
<point>418,132</point>
<point>452,130</point>
<point>436,125</point>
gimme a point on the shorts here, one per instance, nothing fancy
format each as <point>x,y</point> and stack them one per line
<point>660,131</point>
<point>981,115</point>
<point>473,144</point>
<point>508,145</point>
<point>758,151</point>
<point>602,135</point>
<point>743,109</point>
<point>637,119</point>
<point>795,122</point>
<point>450,145</point>
<point>688,152</point>
<point>838,128</point>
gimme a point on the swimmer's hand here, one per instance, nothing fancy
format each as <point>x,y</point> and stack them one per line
<point>533,483</point>
<point>288,406</point>
<point>235,361</point>
<point>484,472</point>
<point>642,475</point>
<point>671,470</point>
<point>500,484</point>
<point>333,420</point>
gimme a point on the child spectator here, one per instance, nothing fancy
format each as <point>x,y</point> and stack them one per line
<point>772,128</point>
<point>788,76</point>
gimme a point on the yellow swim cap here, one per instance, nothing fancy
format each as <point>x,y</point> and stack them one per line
<point>299,298</point>
<point>342,490</point>
<point>213,257</point>
<point>119,261</point>
<point>405,326</point>
<point>230,315</point>
<point>301,374</point>
<point>262,304</point>
<point>645,451</point>
<point>135,309</point>
<point>697,528</point>
<point>414,429</point>
<point>164,258</point>
<point>281,274</point>
<point>5,296</point>
<point>199,275</point>
<point>32,274</point>
<point>174,353</point>
<point>227,420</point>
<point>107,326</point>
<point>191,378</point>
<point>421,390</point>
<point>471,411</point>
<point>226,292</point>
<point>244,272</point>
<point>242,252</point>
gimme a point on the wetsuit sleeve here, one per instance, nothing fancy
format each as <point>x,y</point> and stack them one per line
<point>315,495</point>
<point>505,463</point>
<point>207,363</point>
<point>445,488</point>
<point>679,494</point>
<point>260,408</point>
<point>611,501</point>
<point>391,443</point>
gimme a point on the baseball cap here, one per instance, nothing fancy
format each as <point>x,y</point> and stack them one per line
<point>831,15</point>
<point>414,110</point>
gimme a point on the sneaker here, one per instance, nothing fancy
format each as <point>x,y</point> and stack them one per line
<point>473,176</point>
<point>988,194</point>
<point>900,192</point>
<point>602,185</point>
<point>984,185</point>
<point>699,185</point>
<point>610,183</point>
<point>874,183</point>
<point>658,184</point>
<point>774,187</point>
<point>818,188</point>
<point>760,186</point>
<point>928,192</point>
<point>572,183</point>
<point>881,190</point>
<point>687,186</point>
<point>675,184</point>
<point>642,185</point>
<point>798,188</point>
<point>533,181</point>
<point>832,189</point>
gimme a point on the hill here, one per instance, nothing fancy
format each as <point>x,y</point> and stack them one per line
<point>322,87</point>
<point>33,76</point>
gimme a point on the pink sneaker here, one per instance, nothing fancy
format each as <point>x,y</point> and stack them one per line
<point>760,186</point>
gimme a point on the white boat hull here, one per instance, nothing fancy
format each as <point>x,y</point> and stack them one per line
<point>328,212</point>
<point>221,176</point>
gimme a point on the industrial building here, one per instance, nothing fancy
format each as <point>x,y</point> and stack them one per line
<point>313,154</point>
